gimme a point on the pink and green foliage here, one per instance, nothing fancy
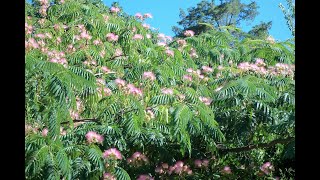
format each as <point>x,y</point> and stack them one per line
<point>108,97</point>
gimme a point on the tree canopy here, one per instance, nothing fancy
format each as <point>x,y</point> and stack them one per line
<point>109,98</point>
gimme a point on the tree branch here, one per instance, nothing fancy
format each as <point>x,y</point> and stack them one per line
<point>257,146</point>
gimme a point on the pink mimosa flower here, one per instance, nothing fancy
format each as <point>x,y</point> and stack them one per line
<point>149,75</point>
<point>147,26</point>
<point>114,9</point>
<point>147,15</point>
<point>198,163</point>
<point>207,69</point>
<point>45,132</point>
<point>108,176</point>
<point>226,170</point>
<point>182,42</point>
<point>189,33</point>
<point>145,177</point>
<point>148,36</point>
<point>112,153</point>
<point>93,137</point>
<point>120,82</point>
<point>205,100</point>
<point>137,36</point>
<point>187,77</point>
<point>105,69</point>
<point>167,91</point>
<point>163,44</point>
<point>170,53</point>
<point>111,37</point>
<point>138,16</point>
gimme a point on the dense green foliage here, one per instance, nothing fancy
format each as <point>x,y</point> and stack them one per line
<point>97,79</point>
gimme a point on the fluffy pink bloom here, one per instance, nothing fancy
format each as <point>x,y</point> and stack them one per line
<point>97,42</point>
<point>93,137</point>
<point>187,77</point>
<point>267,167</point>
<point>226,170</point>
<point>114,9</point>
<point>118,52</point>
<point>205,162</point>
<point>167,91</point>
<point>207,69</point>
<point>205,100</point>
<point>189,70</point>
<point>161,36</point>
<point>59,40</point>
<point>105,69</point>
<point>145,177</point>
<point>163,44</point>
<point>147,15</point>
<point>198,163</point>
<point>189,33</point>
<point>260,62</point>
<point>182,42</point>
<point>41,36</point>
<point>108,176</point>
<point>111,37</point>
<point>85,35</point>
<point>45,132</point>
<point>138,16</point>
<point>112,153</point>
<point>193,53</point>
<point>133,90</point>
<point>120,82</point>
<point>169,38</point>
<point>137,36</point>
<point>147,26</point>
<point>148,36</point>
<point>149,75</point>
<point>169,52</point>
<point>107,91</point>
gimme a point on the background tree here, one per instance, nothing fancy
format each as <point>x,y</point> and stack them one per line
<point>261,30</point>
<point>225,13</point>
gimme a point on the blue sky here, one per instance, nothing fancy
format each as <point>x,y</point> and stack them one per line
<point>166,14</point>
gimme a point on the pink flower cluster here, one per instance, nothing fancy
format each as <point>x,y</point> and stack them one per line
<point>74,114</point>
<point>180,169</point>
<point>149,75</point>
<point>182,42</point>
<point>118,52</point>
<point>259,67</point>
<point>167,91</point>
<point>57,57</point>
<point>45,132</point>
<point>206,100</point>
<point>207,69</point>
<point>187,77</point>
<point>28,28</point>
<point>111,37</point>
<point>104,91</point>
<point>120,82</point>
<point>112,153</point>
<point>137,159</point>
<point>134,90</point>
<point>105,69</point>
<point>137,37</point>
<point>31,44</point>
<point>189,33</point>
<point>226,170</point>
<point>44,4</point>
<point>267,167</point>
<point>201,163</point>
<point>142,17</point>
<point>193,53</point>
<point>93,137</point>
<point>108,176</point>
<point>146,26</point>
<point>97,42</point>
<point>170,53</point>
<point>29,129</point>
<point>145,177</point>
<point>114,9</point>
<point>196,73</point>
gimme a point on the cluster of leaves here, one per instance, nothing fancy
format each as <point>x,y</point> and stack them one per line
<point>79,81</point>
